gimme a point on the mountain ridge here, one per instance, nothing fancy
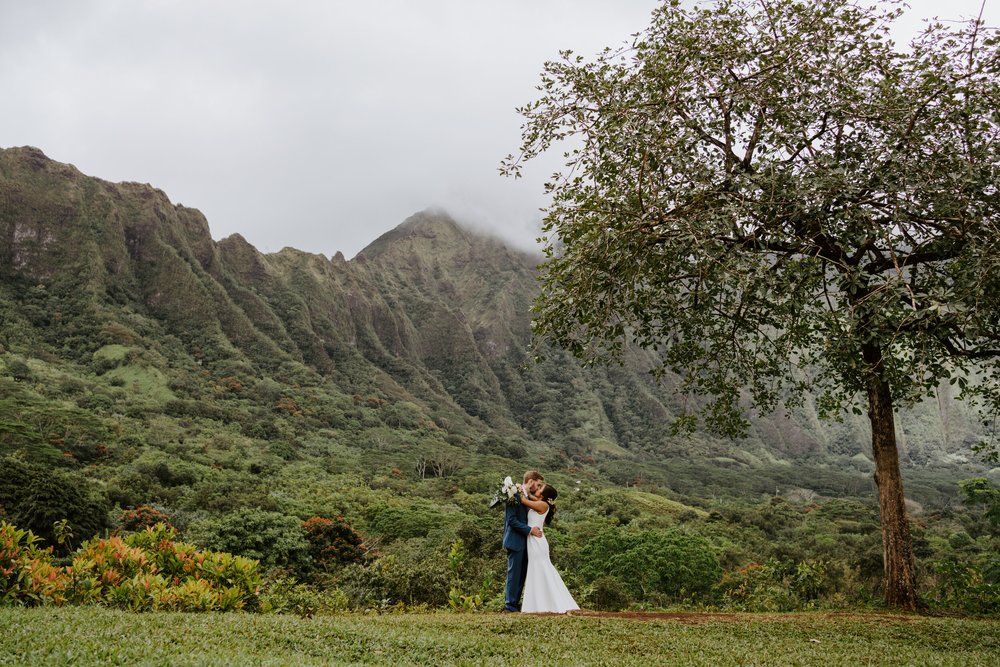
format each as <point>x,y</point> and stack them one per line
<point>430,314</point>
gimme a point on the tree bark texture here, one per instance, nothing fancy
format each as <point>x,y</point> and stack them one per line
<point>897,546</point>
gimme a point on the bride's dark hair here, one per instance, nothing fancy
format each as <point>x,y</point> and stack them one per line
<point>549,495</point>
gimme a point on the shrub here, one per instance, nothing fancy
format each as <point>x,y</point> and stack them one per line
<point>286,596</point>
<point>142,571</point>
<point>169,475</point>
<point>607,594</point>
<point>458,601</point>
<point>148,570</point>
<point>980,491</point>
<point>506,447</point>
<point>758,587</point>
<point>666,562</point>
<point>36,499</point>
<point>333,541</point>
<point>405,522</point>
<point>110,571</point>
<point>141,518</point>
<point>27,574</point>
<point>812,579</point>
<point>19,370</point>
<point>403,415</point>
<point>276,540</point>
<point>393,580</point>
<point>971,586</point>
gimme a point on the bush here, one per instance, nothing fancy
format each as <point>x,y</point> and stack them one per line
<point>276,540</point>
<point>149,570</point>
<point>506,447</point>
<point>19,370</point>
<point>777,586</point>
<point>333,542</point>
<point>980,491</point>
<point>286,596</point>
<point>973,587</point>
<point>36,499</point>
<point>141,518</point>
<point>757,587</point>
<point>405,522</point>
<point>665,562</point>
<point>812,579</point>
<point>607,594</point>
<point>27,574</point>
<point>168,475</point>
<point>393,580</point>
<point>143,571</point>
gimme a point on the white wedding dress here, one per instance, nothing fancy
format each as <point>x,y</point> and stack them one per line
<point>544,590</point>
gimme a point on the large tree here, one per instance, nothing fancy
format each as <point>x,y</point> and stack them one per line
<point>776,197</point>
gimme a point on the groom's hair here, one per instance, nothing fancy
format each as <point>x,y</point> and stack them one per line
<point>533,475</point>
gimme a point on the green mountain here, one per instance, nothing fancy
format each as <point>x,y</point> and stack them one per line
<point>125,301</point>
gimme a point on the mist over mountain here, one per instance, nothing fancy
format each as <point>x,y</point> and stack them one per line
<point>430,324</point>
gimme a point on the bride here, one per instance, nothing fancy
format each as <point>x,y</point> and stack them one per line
<point>544,590</point>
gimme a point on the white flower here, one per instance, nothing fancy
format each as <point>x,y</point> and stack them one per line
<point>508,491</point>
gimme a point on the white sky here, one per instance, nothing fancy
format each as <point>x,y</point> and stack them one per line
<point>312,124</point>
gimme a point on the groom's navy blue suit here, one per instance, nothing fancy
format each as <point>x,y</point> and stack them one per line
<point>515,541</point>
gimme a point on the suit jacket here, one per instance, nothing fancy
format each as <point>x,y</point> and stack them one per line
<point>515,527</point>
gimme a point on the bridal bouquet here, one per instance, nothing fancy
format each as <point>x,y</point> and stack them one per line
<point>508,493</point>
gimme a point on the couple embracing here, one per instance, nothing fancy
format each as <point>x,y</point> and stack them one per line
<point>528,566</point>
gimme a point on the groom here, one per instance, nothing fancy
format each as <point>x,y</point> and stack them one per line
<point>515,541</point>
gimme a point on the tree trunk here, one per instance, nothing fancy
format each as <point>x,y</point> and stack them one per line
<point>897,546</point>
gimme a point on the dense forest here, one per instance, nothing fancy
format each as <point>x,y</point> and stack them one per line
<point>344,423</point>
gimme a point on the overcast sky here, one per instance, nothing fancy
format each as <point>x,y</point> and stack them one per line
<point>312,124</point>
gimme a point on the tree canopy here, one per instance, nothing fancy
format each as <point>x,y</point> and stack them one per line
<point>774,195</point>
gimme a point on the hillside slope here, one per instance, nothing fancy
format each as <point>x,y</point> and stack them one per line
<point>431,321</point>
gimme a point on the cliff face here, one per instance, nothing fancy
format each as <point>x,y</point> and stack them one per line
<point>429,313</point>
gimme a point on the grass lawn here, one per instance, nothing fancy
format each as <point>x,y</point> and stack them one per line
<point>95,636</point>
